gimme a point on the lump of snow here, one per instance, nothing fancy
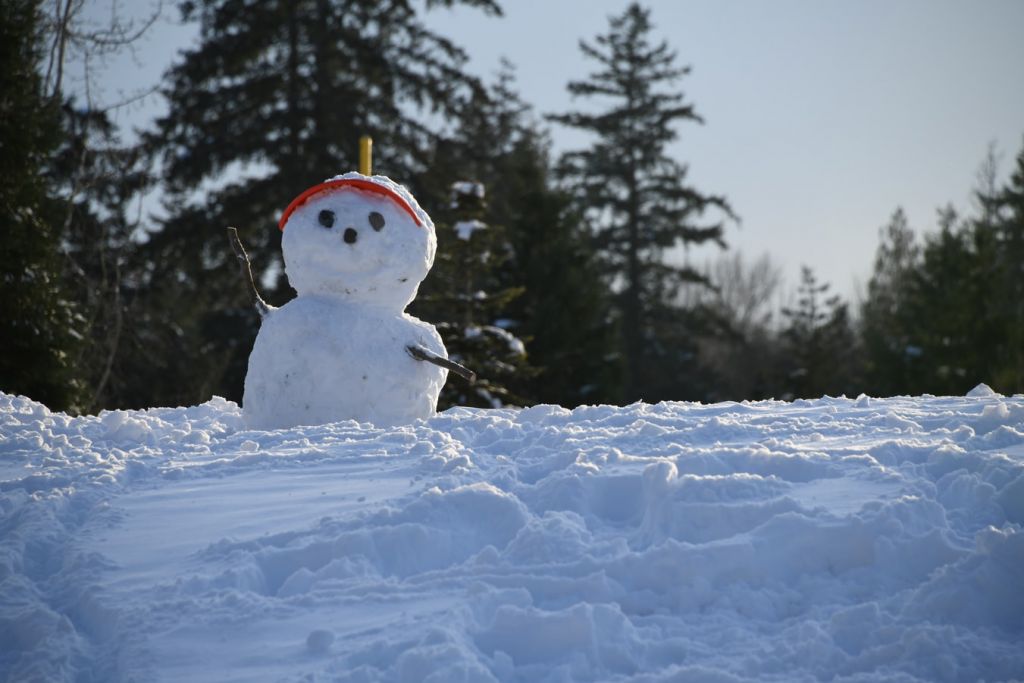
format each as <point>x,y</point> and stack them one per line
<point>319,641</point>
<point>468,188</point>
<point>982,391</point>
<point>465,229</point>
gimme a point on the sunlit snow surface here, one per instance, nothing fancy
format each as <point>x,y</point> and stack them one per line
<point>835,539</point>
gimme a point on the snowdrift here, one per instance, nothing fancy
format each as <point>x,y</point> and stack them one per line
<point>834,539</point>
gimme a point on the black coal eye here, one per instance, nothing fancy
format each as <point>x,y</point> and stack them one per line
<point>376,221</point>
<point>326,218</point>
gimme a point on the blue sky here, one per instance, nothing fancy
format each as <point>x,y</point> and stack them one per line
<point>821,116</point>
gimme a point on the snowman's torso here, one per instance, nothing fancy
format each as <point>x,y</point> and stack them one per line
<point>319,360</point>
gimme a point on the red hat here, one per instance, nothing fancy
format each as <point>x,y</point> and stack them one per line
<point>358,183</point>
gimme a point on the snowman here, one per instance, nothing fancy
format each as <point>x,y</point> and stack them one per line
<point>356,249</point>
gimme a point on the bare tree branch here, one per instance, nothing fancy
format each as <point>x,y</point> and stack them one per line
<point>115,340</point>
<point>246,267</point>
<point>74,39</point>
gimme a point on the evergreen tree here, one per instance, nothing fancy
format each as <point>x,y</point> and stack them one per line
<point>37,320</point>
<point>637,199</point>
<point>940,318</point>
<point>469,301</point>
<point>948,308</point>
<point>271,101</point>
<point>943,317</point>
<point>562,312</point>
<point>1008,306</point>
<point>892,361</point>
<point>822,350</point>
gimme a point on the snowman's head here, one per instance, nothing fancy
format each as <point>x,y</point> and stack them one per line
<point>361,238</point>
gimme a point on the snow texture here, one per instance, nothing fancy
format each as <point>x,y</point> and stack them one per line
<point>339,350</point>
<point>835,539</point>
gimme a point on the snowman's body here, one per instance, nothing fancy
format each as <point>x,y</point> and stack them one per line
<point>355,250</point>
<point>319,360</point>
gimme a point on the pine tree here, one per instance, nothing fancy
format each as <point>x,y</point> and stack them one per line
<point>945,316</point>
<point>562,312</point>
<point>637,198</point>
<point>822,350</point>
<point>468,302</point>
<point>1009,267</point>
<point>893,361</point>
<point>271,101</point>
<point>931,323</point>
<point>37,321</point>
<point>946,312</point>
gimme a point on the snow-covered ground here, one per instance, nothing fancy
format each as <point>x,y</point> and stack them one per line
<point>835,539</point>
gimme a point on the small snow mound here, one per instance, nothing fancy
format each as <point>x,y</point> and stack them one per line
<point>319,641</point>
<point>982,391</point>
<point>249,446</point>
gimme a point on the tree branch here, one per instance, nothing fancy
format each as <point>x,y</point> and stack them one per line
<point>420,353</point>
<point>246,267</point>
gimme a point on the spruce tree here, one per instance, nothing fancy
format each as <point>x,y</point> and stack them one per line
<point>271,101</point>
<point>468,301</point>
<point>562,312</point>
<point>822,352</point>
<point>942,317</point>
<point>937,323</point>
<point>1009,267</point>
<point>637,198</point>
<point>948,326</point>
<point>37,321</point>
<point>565,309</point>
<point>892,359</point>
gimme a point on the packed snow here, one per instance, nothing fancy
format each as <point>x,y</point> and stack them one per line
<point>834,539</point>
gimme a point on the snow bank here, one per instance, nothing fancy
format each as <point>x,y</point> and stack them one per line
<point>849,540</point>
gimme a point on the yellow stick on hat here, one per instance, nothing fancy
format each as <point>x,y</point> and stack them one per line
<point>366,155</point>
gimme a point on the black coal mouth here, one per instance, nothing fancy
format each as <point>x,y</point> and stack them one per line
<point>350,236</point>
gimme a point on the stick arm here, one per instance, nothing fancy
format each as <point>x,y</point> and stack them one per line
<point>262,307</point>
<point>420,353</point>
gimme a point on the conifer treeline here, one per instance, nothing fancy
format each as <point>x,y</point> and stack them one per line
<point>554,279</point>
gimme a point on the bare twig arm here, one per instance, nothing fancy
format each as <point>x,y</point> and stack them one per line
<point>246,267</point>
<point>420,353</point>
